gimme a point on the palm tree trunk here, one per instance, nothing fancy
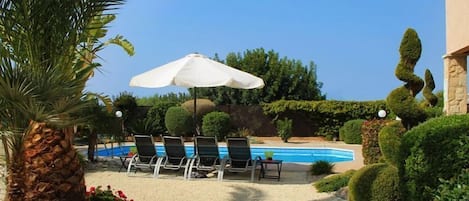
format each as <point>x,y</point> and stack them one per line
<point>15,181</point>
<point>48,167</point>
<point>92,141</point>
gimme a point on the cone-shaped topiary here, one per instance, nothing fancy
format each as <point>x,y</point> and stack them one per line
<point>390,141</point>
<point>402,100</point>
<point>431,99</point>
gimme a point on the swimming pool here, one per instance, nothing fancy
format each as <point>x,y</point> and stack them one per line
<point>287,154</point>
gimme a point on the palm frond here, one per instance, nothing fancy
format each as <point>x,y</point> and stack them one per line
<point>124,43</point>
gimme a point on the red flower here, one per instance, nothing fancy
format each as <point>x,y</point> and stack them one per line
<point>121,194</point>
<point>96,193</point>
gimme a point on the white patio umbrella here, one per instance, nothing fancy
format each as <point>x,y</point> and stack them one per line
<point>196,70</point>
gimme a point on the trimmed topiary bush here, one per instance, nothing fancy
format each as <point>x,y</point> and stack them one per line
<point>360,184</point>
<point>430,98</point>
<point>321,167</point>
<point>216,124</point>
<point>376,182</point>
<point>386,185</point>
<point>204,106</point>
<point>390,141</point>
<point>436,149</point>
<point>334,182</point>
<point>352,131</point>
<point>178,121</point>
<point>401,100</point>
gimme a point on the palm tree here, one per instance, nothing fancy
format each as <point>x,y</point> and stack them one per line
<point>41,90</point>
<point>86,56</point>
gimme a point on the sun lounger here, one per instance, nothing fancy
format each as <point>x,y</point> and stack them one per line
<point>146,156</point>
<point>175,157</point>
<point>207,156</point>
<point>239,158</point>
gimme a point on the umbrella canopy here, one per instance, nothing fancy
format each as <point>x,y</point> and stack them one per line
<point>196,70</point>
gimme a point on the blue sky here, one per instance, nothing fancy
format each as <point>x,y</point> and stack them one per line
<point>353,43</point>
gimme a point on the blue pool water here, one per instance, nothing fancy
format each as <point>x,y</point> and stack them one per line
<point>287,154</point>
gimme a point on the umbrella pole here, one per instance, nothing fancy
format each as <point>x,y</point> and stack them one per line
<point>195,112</point>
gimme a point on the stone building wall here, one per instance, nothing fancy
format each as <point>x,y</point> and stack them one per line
<point>455,60</point>
<point>456,85</point>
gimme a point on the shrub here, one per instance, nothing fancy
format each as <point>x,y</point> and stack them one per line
<point>376,182</point>
<point>242,132</point>
<point>254,140</point>
<point>178,121</point>
<point>456,188</point>
<point>360,184</point>
<point>341,133</point>
<point>370,146</point>
<point>386,185</point>
<point>284,129</point>
<point>204,106</point>
<point>216,124</point>
<point>434,149</point>
<point>156,115</point>
<point>334,182</point>
<point>321,167</point>
<point>352,133</point>
<point>390,141</point>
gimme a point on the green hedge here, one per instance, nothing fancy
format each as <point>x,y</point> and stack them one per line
<point>216,124</point>
<point>436,149</point>
<point>352,131</point>
<point>326,116</point>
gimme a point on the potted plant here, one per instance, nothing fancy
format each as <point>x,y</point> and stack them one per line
<point>132,151</point>
<point>268,155</point>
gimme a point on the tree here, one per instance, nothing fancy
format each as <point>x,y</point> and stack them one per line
<point>127,104</point>
<point>98,120</point>
<point>402,100</point>
<point>86,56</point>
<point>286,79</point>
<point>41,90</point>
